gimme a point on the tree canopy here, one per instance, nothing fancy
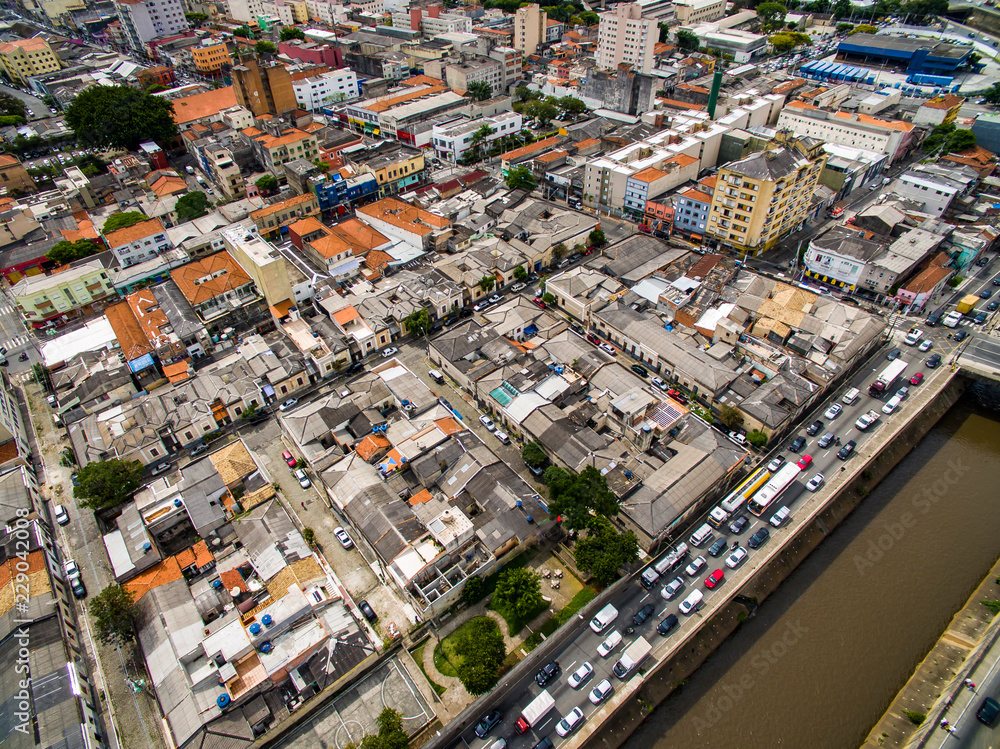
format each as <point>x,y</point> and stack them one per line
<point>518,596</point>
<point>480,644</point>
<point>526,94</point>
<point>603,550</point>
<point>192,206</point>
<point>597,238</point>
<point>418,322</point>
<point>486,283</point>
<point>243,31</point>
<point>292,32</point>
<point>120,117</point>
<point>107,483</point>
<point>113,611</point>
<point>771,15</point>
<point>66,252</point>
<point>863,28</point>
<point>480,91</point>
<point>948,139</point>
<point>992,94</point>
<point>11,106</point>
<point>520,177</point>
<point>264,48</point>
<point>577,498</point>
<point>267,183</point>
<point>520,273</point>
<point>391,734</point>
<point>534,455</point>
<point>121,220</point>
<point>572,105</point>
<point>687,40</point>
<point>541,109</point>
<point>788,40</point>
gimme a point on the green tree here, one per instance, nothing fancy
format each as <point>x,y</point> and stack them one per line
<point>948,139</point>
<point>121,220</point>
<point>572,105</point>
<point>480,644</point>
<point>107,483</point>
<point>543,111</point>
<point>292,32</point>
<point>864,28</point>
<point>730,415</point>
<point>418,321</point>
<point>590,18</point>
<point>192,206</point>
<point>771,15</point>
<point>520,178</point>
<point>391,734</point>
<point>526,94</point>
<point>66,252</point>
<point>518,596</point>
<point>558,252</point>
<point>120,117</point>
<point>479,91</point>
<point>267,184</point>
<point>757,438</point>
<point>603,550</point>
<point>842,9</point>
<point>548,299</point>
<point>787,41</point>
<point>687,41</point>
<point>520,274</point>
<point>11,106</point>
<point>578,497</point>
<point>265,48</point>
<point>597,238</point>
<point>243,32</point>
<point>309,536</point>
<point>533,454</point>
<point>486,283</point>
<point>113,611</point>
<point>843,28</point>
<point>479,136</point>
<point>992,95</point>
<point>195,19</point>
<point>961,140</point>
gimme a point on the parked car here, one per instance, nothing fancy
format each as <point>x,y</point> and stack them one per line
<point>925,345</point>
<point>160,468</point>
<point>368,611</point>
<point>342,536</point>
<point>502,436</point>
<point>391,351</point>
<point>593,339</point>
<point>202,448</point>
<point>487,422</point>
<point>960,336</point>
<point>288,404</point>
<point>289,459</point>
<point>659,383</point>
<point>894,354</point>
<point>78,588</point>
<point>988,711</point>
<point>538,302</point>
<point>641,371</point>
<point>301,477</point>
<point>496,298</point>
<point>678,396</point>
<point>933,361</point>
<point>62,517</point>
<point>71,570</point>
<point>608,348</point>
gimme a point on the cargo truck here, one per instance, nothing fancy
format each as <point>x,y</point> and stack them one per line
<point>632,657</point>
<point>532,715</point>
<point>968,303</point>
<point>885,379</point>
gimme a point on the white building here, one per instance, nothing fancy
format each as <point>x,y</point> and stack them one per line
<point>530,24</point>
<point>858,131</point>
<point>625,36</point>
<point>326,12</point>
<point>699,11</point>
<point>139,242</point>
<point>453,140</point>
<point>935,191</point>
<point>145,20</point>
<point>246,10</point>
<point>326,89</point>
<point>446,23</point>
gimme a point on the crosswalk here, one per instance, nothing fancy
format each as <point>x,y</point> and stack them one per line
<point>12,343</point>
<point>19,378</point>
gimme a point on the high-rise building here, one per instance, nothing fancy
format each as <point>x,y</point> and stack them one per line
<point>624,36</point>
<point>26,57</point>
<point>145,20</point>
<point>530,23</point>
<point>764,196</point>
<point>263,89</point>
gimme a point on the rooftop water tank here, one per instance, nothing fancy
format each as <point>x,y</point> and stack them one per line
<point>519,503</point>
<point>217,583</point>
<point>147,546</point>
<point>266,619</point>
<point>560,369</point>
<point>177,503</point>
<point>254,628</point>
<point>266,647</point>
<point>222,700</point>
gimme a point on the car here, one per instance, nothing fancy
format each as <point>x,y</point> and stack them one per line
<point>643,614</point>
<point>570,721</point>
<point>641,371</point>
<point>678,396</point>
<point>960,336</point>
<point>815,482</point>
<point>288,404</point>
<point>933,361</point>
<point>160,468</point>
<point>718,547</point>
<point>986,293</point>
<point>980,318</point>
<point>993,305</point>
<point>368,611</point>
<point>804,462</point>
<point>391,351</point>
<point>608,348</point>
<point>538,302</point>
<point>301,477</point>
<point>487,422</point>
<point>902,393</point>
<point>672,589</point>
<point>518,287</point>
<point>715,579</point>
<point>758,538</point>
<point>593,339</point>
<point>611,642</point>
<point>71,570</point>
<point>892,404</point>
<point>547,673</point>
<point>502,436</point>
<point>776,463</point>
<point>78,588</point>
<point>814,428</point>
<point>61,516</point>
<point>894,354</point>
<point>479,307</point>
<point>342,536</point>
<point>601,692</point>
<point>778,519</point>
<point>578,677</point>
<point>988,711</point>
<point>996,281</point>
<point>797,444</point>
<point>289,459</point>
<point>202,448</point>
<point>826,440</point>
<point>739,525</point>
<point>659,383</point>
<point>925,345</point>
<point>738,557</point>
<point>696,566</point>
<point>489,721</point>
<point>665,627</point>
<point>917,378</point>
<point>495,298</point>
<point>847,450</point>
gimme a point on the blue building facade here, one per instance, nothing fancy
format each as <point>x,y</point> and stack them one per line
<point>929,56</point>
<point>691,212</point>
<point>333,191</point>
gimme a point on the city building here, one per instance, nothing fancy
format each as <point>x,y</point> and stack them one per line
<point>210,58</point>
<point>913,54</point>
<point>513,65</point>
<point>941,110</point>
<point>894,138</point>
<point>459,76</point>
<point>325,89</point>
<point>762,197</point>
<point>244,11</point>
<point>75,292</point>
<point>414,226</point>
<point>698,11</point>
<point>23,58</point>
<point>216,287</point>
<point>137,243</point>
<point>278,146</point>
<point>624,36</point>
<point>13,175</point>
<point>270,219</point>
<point>530,23</point>
<point>263,89</point>
<point>986,128</point>
<point>453,140</point>
<point>935,186</point>
<point>742,45</point>
<point>691,211</point>
<point>145,20</point>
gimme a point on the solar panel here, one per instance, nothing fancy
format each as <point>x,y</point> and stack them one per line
<point>665,414</point>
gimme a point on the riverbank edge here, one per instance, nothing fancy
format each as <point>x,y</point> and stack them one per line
<point>942,672</point>
<point>660,682</point>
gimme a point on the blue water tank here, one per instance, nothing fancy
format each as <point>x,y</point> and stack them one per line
<point>254,628</point>
<point>266,619</point>
<point>529,518</point>
<point>405,402</point>
<point>217,583</point>
<point>177,503</point>
<point>519,503</point>
<point>266,647</point>
<point>560,369</point>
<point>222,700</point>
<point>147,546</point>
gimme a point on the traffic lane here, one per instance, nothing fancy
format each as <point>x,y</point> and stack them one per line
<point>970,732</point>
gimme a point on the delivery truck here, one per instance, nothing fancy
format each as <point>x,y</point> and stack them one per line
<point>532,715</point>
<point>968,303</point>
<point>632,657</point>
<point>886,377</point>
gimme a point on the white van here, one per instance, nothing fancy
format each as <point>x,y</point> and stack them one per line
<point>700,537</point>
<point>692,603</point>
<point>604,617</point>
<point>436,376</point>
<point>851,396</point>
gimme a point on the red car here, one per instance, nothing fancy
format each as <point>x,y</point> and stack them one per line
<point>677,396</point>
<point>538,301</point>
<point>593,339</point>
<point>917,378</point>
<point>289,458</point>
<point>715,579</point>
<point>804,462</point>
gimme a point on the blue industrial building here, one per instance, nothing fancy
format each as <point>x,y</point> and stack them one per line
<point>334,192</point>
<point>987,131</point>
<point>918,55</point>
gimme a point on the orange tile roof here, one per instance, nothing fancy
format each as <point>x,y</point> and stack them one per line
<point>648,175</point>
<point>693,194</point>
<point>376,259</point>
<point>278,207</point>
<point>420,497</point>
<point>232,276</point>
<point>692,87</point>
<point>159,574</point>
<point>682,160</point>
<point>281,309</point>
<point>947,101</point>
<point>128,331</point>
<point>178,371</point>
<point>588,143</point>
<point>197,554</point>
<point>869,120</point>
<point>84,230</point>
<point>371,445</point>
<point>191,108</point>
<point>800,105</point>
<point>674,104</point>
<point>552,155</point>
<point>530,149</point>
<point>35,563</point>
<point>167,185</point>
<point>352,236</point>
<point>405,216</point>
<point>233,579</point>
<point>307,225</point>
<point>382,103</point>
<point>8,451</point>
<point>287,137</point>
<point>449,425</point>
<point>128,234</point>
<point>345,315</point>
<point>34,44</point>
<point>709,182</point>
<point>151,319</point>
<point>7,160</point>
<point>789,85</point>
<point>417,80</point>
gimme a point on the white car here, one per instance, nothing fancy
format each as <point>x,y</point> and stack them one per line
<point>62,517</point>
<point>608,348</point>
<point>601,692</point>
<point>925,345</point>
<point>502,436</point>
<point>290,403</point>
<point>696,566</point>
<point>303,480</point>
<point>160,468</point>
<point>342,536</point>
<point>71,569</point>
<point>568,724</point>
<point>487,422</point>
<point>892,405</point>
<point>391,351</point>
<point>737,558</point>
<point>776,463</point>
<point>611,642</point>
<point>579,676</point>
<point>833,411</point>
<point>672,589</point>
<point>815,482</point>
<point>660,383</point>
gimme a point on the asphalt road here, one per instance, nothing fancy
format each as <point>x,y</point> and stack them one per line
<point>15,338</point>
<point>969,732</point>
<point>38,108</point>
